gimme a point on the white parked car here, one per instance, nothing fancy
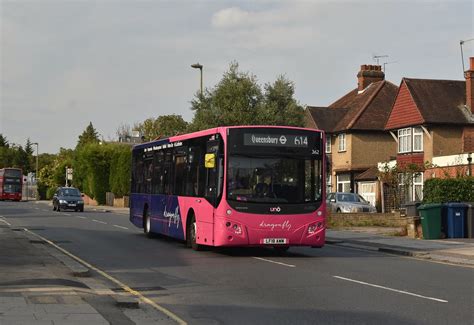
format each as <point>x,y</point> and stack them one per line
<point>348,203</point>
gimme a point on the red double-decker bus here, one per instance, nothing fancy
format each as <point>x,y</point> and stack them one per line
<point>11,182</point>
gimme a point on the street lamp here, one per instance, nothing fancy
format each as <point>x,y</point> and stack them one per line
<point>198,66</point>
<point>37,149</point>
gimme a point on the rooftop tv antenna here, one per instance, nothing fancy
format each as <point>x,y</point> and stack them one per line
<point>461,43</point>
<point>376,58</point>
<point>385,63</point>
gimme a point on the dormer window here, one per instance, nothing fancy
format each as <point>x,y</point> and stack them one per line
<point>410,140</point>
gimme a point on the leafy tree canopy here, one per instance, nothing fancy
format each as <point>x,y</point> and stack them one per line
<point>162,126</point>
<point>239,100</point>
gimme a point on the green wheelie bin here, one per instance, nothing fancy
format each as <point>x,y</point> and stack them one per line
<point>430,215</point>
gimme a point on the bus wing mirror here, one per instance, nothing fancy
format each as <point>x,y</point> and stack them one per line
<point>210,160</point>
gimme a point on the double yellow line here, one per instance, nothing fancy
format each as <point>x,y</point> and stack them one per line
<point>114,280</point>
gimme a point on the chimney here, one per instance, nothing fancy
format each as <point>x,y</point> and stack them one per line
<point>369,74</point>
<point>469,75</point>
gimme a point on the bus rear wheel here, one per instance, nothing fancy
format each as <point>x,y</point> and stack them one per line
<point>147,223</point>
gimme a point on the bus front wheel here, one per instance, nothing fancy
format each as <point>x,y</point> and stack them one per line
<point>191,235</point>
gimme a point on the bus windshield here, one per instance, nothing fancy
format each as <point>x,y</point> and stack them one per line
<point>277,179</point>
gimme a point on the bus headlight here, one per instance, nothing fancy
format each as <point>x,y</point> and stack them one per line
<point>315,227</point>
<point>237,229</point>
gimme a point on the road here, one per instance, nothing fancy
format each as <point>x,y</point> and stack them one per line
<point>332,285</point>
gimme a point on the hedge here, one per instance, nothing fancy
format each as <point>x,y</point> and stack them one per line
<point>449,190</point>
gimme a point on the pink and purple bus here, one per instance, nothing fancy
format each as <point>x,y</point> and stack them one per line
<point>232,186</point>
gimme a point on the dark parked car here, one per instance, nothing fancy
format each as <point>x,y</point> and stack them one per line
<point>348,202</point>
<point>68,198</point>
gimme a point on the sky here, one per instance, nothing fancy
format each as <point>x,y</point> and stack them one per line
<point>66,63</point>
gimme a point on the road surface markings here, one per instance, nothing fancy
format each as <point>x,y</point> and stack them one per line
<point>44,210</point>
<point>120,227</point>
<point>390,289</point>
<point>146,300</point>
<point>4,221</point>
<point>67,214</point>
<point>37,208</point>
<point>81,217</point>
<point>270,261</point>
<point>104,223</point>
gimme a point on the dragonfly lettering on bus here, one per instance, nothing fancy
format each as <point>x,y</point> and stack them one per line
<point>173,217</point>
<point>283,226</point>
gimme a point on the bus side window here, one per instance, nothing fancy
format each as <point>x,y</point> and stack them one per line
<point>167,172</point>
<point>157,177</point>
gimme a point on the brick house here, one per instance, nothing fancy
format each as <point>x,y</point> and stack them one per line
<point>355,133</point>
<point>432,124</point>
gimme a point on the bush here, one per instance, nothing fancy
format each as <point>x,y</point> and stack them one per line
<point>50,193</point>
<point>449,190</point>
<point>120,165</point>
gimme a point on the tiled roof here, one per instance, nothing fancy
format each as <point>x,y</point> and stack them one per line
<point>369,175</point>
<point>326,118</point>
<point>440,101</point>
<point>367,110</point>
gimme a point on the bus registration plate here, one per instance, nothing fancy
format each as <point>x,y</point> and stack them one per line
<point>275,241</point>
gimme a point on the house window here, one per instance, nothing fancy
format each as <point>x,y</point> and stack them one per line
<point>418,187</point>
<point>404,140</point>
<point>328,144</point>
<point>343,182</point>
<point>410,138</point>
<point>411,187</point>
<point>417,139</point>
<point>342,142</point>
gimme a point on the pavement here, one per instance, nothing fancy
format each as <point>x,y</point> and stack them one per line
<point>41,285</point>
<point>453,250</point>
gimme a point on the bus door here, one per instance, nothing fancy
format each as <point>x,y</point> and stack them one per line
<point>210,171</point>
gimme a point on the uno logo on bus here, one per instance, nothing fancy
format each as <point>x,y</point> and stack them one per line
<point>275,209</point>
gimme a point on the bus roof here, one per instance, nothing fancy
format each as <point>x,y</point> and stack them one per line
<point>202,133</point>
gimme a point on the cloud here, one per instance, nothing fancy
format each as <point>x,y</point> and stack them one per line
<point>231,17</point>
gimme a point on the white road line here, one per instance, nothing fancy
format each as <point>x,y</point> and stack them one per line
<point>120,227</point>
<point>81,217</point>
<point>390,289</point>
<point>99,221</point>
<point>270,261</point>
<point>4,221</point>
<point>67,214</point>
<point>37,208</point>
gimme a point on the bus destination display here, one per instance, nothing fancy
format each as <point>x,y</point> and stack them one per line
<point>275,140</point>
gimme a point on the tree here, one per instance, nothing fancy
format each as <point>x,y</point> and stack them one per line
<point>162,126</point>
<point>29,147</point>
<point>236,100</point>
<point>280,107</point>
<point>89,135</point>
<point>3,141</point>
<point>123,132</point>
